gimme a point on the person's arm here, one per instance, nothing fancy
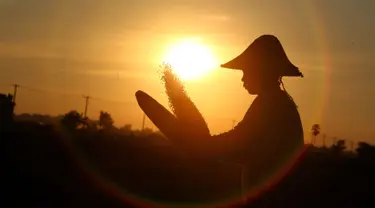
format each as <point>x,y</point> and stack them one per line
<point>223,146</point>
<point>234,145</point>
<point>239,144</point>
<point>228,146</point>
<point>231,146</point>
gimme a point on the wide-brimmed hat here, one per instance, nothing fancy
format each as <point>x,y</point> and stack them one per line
<point>266,54</point>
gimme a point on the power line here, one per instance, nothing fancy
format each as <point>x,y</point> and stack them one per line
<point>113,101</point>
<point>6,85</point>
<point>47,91</point>
<point>16,88</point>
<point>67,94</point>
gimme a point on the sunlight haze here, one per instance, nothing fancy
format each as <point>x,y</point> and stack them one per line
<point>190,59</point>
<point>58,51</point>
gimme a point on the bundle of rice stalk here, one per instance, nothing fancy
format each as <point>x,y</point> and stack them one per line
<point>190,119</point>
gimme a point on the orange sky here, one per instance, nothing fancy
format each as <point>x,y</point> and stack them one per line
<point>110,49</point>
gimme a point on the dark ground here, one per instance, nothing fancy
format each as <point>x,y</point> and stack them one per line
<point>44,168</point>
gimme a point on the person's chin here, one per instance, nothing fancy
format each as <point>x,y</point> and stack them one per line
<point>251,92</point>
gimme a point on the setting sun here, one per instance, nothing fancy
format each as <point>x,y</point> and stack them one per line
<point>190,59</point>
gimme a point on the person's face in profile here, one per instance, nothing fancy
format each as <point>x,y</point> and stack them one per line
<point>251,81</point>
<point>255,82</point>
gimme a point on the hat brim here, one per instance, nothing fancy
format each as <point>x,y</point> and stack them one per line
<point>236,63</point>
<point>240,63</point>
<point>265,55</point>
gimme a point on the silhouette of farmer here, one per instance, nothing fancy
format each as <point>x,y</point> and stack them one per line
<point>269,138</point>
<point>270,134</point>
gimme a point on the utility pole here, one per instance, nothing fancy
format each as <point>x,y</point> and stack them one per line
<point>15,92</point>
<point>143,122</point>
<point>324,140</point>
<point>87,99</point>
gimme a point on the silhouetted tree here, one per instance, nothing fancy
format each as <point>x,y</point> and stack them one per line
<point>366,151</point>
<point>334,140</point>
<point>105,120</point>
<point>127,128</point>
<point>339,147</point>
<point>315,131</point>
<point>92,125</point>
<point>39,118</point>
<point>6,109</point>
<point>72,120</point>
<point>143,132</point>
<point>147,131</point>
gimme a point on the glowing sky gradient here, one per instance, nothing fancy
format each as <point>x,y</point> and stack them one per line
<point>109,49</point>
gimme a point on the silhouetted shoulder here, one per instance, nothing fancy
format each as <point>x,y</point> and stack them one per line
<point>272,127</point>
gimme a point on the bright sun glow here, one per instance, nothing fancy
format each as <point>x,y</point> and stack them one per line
<point>190,60</point>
